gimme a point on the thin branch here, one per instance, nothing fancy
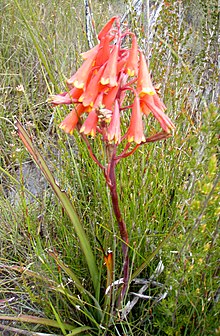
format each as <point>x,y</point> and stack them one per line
<point>124,155</point>
<point>93,156</point>
<point>90,29</point>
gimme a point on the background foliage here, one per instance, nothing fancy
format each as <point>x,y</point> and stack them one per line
<point>175,182</point>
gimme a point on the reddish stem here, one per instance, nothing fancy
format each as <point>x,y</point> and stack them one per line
<point>91,152</point>
<point>121,224</point>
<point>124,154</point>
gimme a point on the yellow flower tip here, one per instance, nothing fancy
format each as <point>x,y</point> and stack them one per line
<point>92,133</point>
<point>82,129</point>
<point>81,99</point>
<point>62,127</point>
<point>71,132</point>
<point>50,99</point>
<point>130,139</point>
<point>88,105</point>
<point>130,72</point>
<point>104,81</point>
<point>147,90</point>
<point>138,141</point>
<point>77,84</point>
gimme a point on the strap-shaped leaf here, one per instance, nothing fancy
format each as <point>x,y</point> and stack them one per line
<point>67,205</point>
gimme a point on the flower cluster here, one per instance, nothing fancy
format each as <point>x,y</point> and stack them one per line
<point>99,86</point>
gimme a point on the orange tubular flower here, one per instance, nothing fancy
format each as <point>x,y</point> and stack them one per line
<point>154,104</point>
<point>103,51</point>
<point>122,62</point>
<point>114,131</point>
<point>132,63</point>
<point>66,97</point>
<point>158,102</point>
<point>89,126</point>
<point>144,108</point>
<point>87,54</point>
<point>105,30</point>
<point>135,130</point>
<point>110,73</point>
<point>59,99</point>
<point>71,120</point>
<point>92,90</point>
<point>100,87</point>
<point>79,79</point>
<point>109,97</point>
<point>144,84</point>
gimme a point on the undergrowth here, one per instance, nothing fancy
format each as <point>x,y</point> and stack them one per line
<point>165,184</point>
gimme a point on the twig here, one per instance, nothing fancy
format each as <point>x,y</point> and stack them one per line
<point>129,306</point>
<point>90,31</point>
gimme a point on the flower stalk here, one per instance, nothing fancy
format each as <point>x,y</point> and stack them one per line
<point>121,224</point>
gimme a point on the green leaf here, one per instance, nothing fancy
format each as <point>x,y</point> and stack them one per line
<point>152,255</point>
<point>79,330</point>
<point>63,198</point>
<point>60,323</point>
<point>41,55</point>
<point>36,320</point>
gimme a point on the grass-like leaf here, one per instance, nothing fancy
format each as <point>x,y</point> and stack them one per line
<point>36,320</point>
<point>18,331</point>
<point>79,330</point>
<point>152,255</point>
<point>63,198</point>
<point>41,55</point>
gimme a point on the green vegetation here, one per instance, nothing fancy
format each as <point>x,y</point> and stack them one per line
<point>169,190</point>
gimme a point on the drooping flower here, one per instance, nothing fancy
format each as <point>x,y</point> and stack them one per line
<point>135,131</point>
<point>144,84</point>
<point>90,94</point>
<point>122,61</point>
<point>132,62</point>
<point>110,73</point>
<point>90,124</point>
<point>89,53</point>
<point>114,130</point>
<point>71,120</point>
<point>105,30</point>
<point>110,96</point>
<point>101,84</point>
<point>103,50</point>
<point>66,98</point>
<point>79,79</point>
<point>154,104</point>
<point>144,108</point>
<point>59,99</point>
<point>158,102</point>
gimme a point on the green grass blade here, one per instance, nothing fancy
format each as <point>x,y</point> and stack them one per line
<point>63,198</point>
<point>36,320</point>
<point>152,255</point>
<point>79,331</point>
<point>60,323</point>
<point>86,294</point>
<point>41,56</point>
